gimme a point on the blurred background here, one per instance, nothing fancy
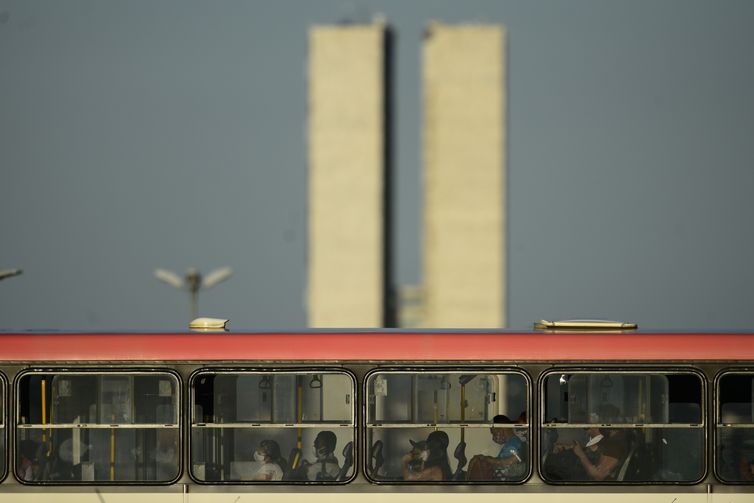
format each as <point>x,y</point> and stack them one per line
<point>176,134</point>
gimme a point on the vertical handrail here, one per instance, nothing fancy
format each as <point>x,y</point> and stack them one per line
<point>48,452</point>
<point>463,411</point>
<point>299,420</point>
<point>435,416</point>
<point>112,451</point>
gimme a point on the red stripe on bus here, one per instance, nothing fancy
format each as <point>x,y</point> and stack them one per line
<point>391,346</point>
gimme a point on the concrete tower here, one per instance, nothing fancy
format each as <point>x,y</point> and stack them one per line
<point>464,176</point>
<point>346,175</point>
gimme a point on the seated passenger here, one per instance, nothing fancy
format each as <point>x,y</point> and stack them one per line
<point>166,455</point>
<point>428,459</point>
<point>599,459</point>
<point>508,464</point>
<point>610,450</point>
<point>28,467</point>
<point>268,453</point>
<point>736,452</point>
<point>746,469</point>
<point>325,467</point>
<point>62,464</point>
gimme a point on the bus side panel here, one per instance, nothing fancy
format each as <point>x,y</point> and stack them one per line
<point>29,495</point>
<point>344,496</point>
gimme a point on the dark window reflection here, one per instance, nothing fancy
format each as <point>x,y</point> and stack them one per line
<point>608,427</point>
<point>735,430</point>
<point>100,428</point>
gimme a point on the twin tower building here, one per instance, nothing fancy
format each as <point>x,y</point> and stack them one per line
<point>350,258</point>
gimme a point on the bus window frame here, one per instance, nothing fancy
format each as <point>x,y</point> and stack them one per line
<point>622,370</point>
<point>295,370</point>
<point>745,371</point>
<point>458,370</point>
<point>127,371</point>
<point>4,418</point>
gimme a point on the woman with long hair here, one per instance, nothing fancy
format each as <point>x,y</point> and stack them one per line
<point>428,459</point>
<point>273,464</point>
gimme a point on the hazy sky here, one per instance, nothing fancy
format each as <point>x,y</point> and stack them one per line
<point>140,134</point>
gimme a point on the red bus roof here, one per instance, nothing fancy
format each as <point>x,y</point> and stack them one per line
<point>375,345</point>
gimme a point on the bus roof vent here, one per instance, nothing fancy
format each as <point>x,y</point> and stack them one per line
<point>597,325</point>
<point>208,324</point>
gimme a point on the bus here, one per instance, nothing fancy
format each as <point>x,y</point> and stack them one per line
<point>367,415</point>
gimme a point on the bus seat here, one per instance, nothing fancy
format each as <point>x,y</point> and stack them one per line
<point>196,468</point>
<point>87,471</point>
<point>347,462</point>
<point>624,467</point>
<point>292,471</point>
<point>460,455</point>
<point>243,470</point>
<point>375,458</point>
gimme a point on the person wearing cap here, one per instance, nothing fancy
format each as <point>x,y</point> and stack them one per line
<point>602,454</point>
<point>428,459</point>
<point>508,460</point>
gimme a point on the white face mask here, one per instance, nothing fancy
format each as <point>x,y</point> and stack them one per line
<point>594,440</point>
<point>424,455</point>
<point>258,457</point>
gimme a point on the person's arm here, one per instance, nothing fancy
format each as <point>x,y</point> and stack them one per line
<point>508,455</point>
<point>601,470</point>
<point>262,474</point>
<point>431,473</point>
<point>407,474</point>
<point>507,461</point>
<point>497,462</point>
<point>502,462</point>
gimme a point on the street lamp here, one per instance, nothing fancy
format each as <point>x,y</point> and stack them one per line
<point>193,281</point>
<point>8,273</point>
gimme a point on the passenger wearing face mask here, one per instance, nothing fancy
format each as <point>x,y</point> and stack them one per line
<point>509,463</point>
<point>268,453</point>
<point>602,454</point>
<point>599,458</point>
<point>428,459</point>
<point>326,467</point>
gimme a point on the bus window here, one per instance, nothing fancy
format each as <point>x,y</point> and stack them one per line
<point>434,426</point>
<point>272,427</point>
<point>97,427</point>
<point>735,428</point>
<point>621,427</point>
<point>2,426</point>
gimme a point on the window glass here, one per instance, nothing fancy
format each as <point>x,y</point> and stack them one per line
<point>620,427</point>
<point>735,428</point>
<point>2,426</point>
<point>97,427</point>
<point>434,426</point>
<point>272,427</point>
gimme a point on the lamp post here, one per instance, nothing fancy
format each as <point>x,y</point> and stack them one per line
<point>193,281</point>
<point>9,273</point>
